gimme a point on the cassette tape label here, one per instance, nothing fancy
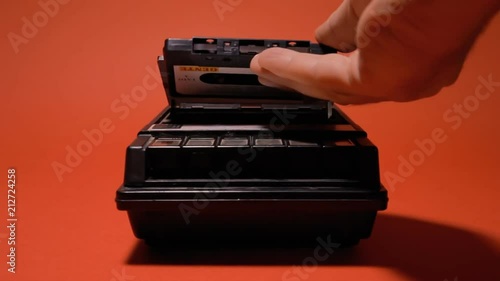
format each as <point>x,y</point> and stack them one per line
<point>193,80</point>
<point>199,68</point>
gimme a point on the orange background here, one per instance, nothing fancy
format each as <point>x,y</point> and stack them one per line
<point>443,220</point>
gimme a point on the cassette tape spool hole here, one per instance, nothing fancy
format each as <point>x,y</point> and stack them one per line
<point>299,46</point>
<point>252,47</point>
<point>205,45</point>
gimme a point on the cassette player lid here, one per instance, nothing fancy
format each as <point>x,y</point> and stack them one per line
<point>213,75</point>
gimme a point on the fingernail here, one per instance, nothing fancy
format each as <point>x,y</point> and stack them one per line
<point>268,83</point>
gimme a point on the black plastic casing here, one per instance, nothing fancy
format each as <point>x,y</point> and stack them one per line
<point>327,183</point>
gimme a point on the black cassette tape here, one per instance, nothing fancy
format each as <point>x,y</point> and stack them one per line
<point>253,166</point>
<point>212,76</point>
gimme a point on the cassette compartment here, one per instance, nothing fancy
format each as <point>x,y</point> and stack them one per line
<point>321,153</point>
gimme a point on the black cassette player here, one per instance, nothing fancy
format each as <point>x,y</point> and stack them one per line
<point>233,161</point>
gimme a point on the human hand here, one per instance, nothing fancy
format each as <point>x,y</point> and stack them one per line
<point>402,50</point>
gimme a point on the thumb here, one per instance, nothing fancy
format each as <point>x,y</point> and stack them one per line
<point>328,77</point>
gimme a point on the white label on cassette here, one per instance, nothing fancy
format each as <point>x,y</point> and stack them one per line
<point>208,80</point>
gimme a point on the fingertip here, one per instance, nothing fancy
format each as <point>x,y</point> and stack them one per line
<point>322,33</point>
<point>268,83</point>
<point>254,64</point>
<point>336,34</point>
<point>339,30</point>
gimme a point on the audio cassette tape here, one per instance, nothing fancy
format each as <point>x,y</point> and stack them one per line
<point>212,75</point>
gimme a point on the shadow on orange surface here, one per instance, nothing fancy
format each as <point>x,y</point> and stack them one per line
<point>419,249</point>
